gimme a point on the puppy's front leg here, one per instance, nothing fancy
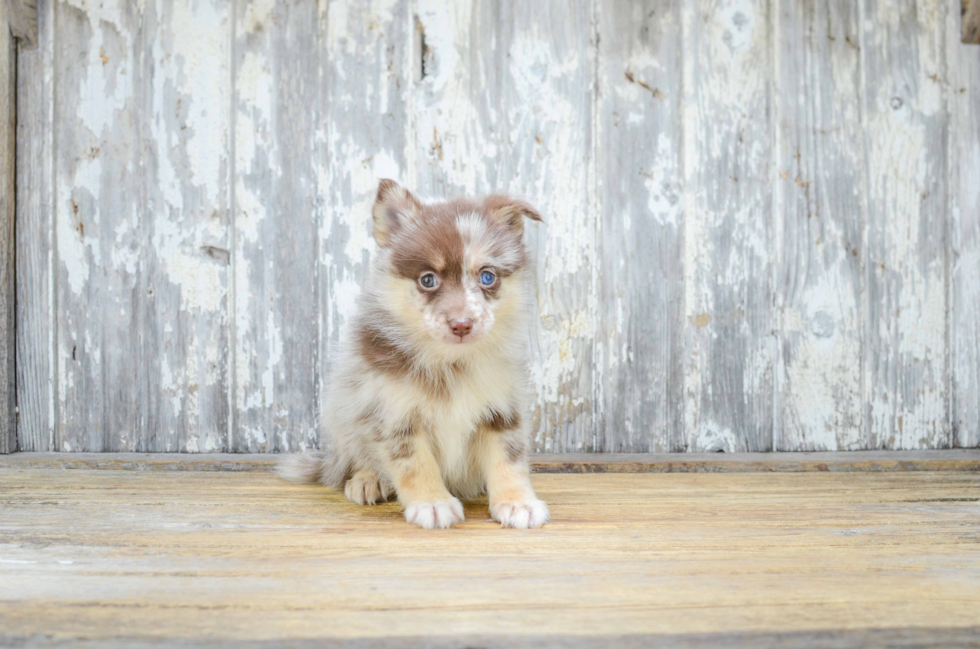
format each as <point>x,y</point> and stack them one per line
<point>502,448</point>
<point>418,481</point>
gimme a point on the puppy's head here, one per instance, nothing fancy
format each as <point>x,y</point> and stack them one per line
<point>453,271</point>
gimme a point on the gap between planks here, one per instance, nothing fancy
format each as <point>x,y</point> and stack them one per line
<point>853,461</point>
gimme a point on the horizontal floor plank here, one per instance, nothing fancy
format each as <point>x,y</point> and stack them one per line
<point>939,460</point>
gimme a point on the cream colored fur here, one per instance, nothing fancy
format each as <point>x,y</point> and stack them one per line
<point>454,448</point>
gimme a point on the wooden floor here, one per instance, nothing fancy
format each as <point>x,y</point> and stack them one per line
<point>143,558</point>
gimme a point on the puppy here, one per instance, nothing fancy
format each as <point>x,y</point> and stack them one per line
<point>427,399</point>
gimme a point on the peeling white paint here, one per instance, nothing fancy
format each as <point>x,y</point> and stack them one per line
<point>760,305</point>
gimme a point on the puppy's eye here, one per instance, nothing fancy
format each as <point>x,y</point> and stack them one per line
<point>429,280</point>
<point>487,278</point>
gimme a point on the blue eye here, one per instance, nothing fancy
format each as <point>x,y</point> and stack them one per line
<point>428,280</point>
<point>487,278</point>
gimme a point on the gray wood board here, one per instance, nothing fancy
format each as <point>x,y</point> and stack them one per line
<point>276,109</point>
<point>905,352</point>
<point>8,219</point>
<point>963,92</point>
<point>98,187</point>
<point>762,227</point>
<point>640,329</point>
<point>820,214</point>
<point>185,150</point>
<point>36,270</point>
<point>728,168</point>
<point>777,462</point>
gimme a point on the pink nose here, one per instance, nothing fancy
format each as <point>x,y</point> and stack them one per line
<point>461,326</point>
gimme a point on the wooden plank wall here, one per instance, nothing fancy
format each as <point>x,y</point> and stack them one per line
<point>8,176</point>
<point>763,223</point>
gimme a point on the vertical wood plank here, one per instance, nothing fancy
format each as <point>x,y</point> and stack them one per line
<point>184,95</point>
<point>36,311</point>
<point>729,316</point>
<point>504,103</point>
<point>639,327</point>
<point>363,133</point>
<point>97,197</point>
<point>819,226</point>
<point>964,213</point>
<point>8,220</point>
<point>905,362</point>
<point>276,109</point>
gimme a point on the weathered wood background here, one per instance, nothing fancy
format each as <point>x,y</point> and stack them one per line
<point>763,217</point>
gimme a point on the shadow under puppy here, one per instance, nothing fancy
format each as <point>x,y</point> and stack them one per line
<point>427,397</point>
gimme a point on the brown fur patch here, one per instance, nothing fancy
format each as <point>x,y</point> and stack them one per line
<point>433,243</point>
<point>400,442</point>
<point>493,290</point>
<point>515,447</point>
<point>500,422</point>
<point>381,353</point>
<point>393,205</point>
<point>384,356</point>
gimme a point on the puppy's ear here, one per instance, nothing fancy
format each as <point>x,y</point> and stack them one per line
<point>393,206</point>
<point>510,212</point>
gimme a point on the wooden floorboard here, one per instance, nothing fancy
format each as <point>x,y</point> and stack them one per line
<point>210,558</point>
<point>938,460</point>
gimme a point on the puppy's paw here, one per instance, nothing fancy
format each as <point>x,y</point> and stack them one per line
<point>437,515</point>
<point>365,488</point>
<point>520,514</point>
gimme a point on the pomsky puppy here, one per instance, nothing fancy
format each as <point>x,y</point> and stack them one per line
<point>426,401</point>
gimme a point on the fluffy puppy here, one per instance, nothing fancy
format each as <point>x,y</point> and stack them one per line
<point>426,401</point>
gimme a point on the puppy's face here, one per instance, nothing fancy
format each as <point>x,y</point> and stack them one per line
<point>456,269</point>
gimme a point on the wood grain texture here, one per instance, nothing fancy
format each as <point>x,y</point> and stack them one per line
<point>729,316</point>
<point>819,223</point>
<point>905,352</point>
<point>963,92</point>
<point>98,193</point>
<point>640,256</point>
<point>504,103</point>
<point>761,217</point>
<point>363,133</point>
<point>184,94</point>
<point>35,255</point>
<point>8,244</point>
<point>277,107</point>
<point>863,638</point>
<point>231,556</point>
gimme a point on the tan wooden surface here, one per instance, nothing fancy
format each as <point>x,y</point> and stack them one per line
<point>208,556</point>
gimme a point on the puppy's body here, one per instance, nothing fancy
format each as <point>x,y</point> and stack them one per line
<point>427,399</point>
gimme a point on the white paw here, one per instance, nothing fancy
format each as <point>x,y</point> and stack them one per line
<point>437,515</point>
<point>520,514</point>
<point>364,488</point>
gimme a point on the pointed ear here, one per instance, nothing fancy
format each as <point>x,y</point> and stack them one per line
<point>510,212</point>
<point>392,207</point>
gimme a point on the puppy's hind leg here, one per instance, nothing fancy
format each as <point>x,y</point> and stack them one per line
<point>365,487</point>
